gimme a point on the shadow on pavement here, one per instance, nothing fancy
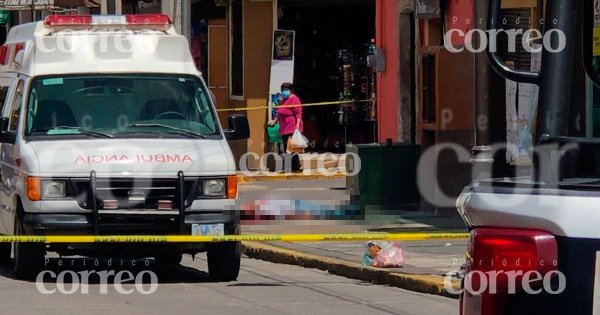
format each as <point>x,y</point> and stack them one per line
<point>70,266</point>
<point>258,284</point>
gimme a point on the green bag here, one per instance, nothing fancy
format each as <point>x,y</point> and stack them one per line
<point>273,133</point>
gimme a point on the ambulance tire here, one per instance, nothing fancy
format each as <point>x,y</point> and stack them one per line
<point>5,251</point>
<point>29,257</point>
<point>224,260</point>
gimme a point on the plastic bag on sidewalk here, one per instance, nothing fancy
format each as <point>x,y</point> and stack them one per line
<point>299,140</point>
<point>383,254</point>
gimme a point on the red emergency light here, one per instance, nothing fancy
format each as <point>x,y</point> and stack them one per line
<point>4,52</point>
<point>18,47</point>
<point>129,21</point>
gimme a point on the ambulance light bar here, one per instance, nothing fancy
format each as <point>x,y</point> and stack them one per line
<point>129,21</point>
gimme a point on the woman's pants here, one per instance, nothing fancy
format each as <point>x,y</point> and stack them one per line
<point>296,166</point>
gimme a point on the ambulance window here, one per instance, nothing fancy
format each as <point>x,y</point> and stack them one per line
<point>3,94</point>
<point>16,107</point>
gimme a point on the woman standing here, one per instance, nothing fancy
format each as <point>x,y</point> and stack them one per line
<point>290,120</point>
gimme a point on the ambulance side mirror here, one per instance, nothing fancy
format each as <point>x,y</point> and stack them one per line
<point>4,124</point>
<point>5,135</point>
<point>239,128</point>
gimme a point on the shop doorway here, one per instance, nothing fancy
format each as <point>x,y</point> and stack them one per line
<point>332,45</point>
<point>209,47</point>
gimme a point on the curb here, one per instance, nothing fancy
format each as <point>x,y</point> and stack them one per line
<point>431,284</point>
<point>264,178</point>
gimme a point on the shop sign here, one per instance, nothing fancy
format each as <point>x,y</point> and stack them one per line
<point>282,62</point>
<point>26,4</point>
<point>597,12</point>
<point>4,17</point>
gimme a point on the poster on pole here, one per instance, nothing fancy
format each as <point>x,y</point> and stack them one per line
<point>282,63</point>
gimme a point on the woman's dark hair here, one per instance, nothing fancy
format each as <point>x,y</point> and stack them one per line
<point>287,86</point>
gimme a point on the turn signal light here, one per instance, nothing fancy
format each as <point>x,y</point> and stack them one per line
<point>34,188</point>
<point>231,187</point>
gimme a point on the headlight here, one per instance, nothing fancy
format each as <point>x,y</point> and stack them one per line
<point>213,187</point>
<point>53,189</point>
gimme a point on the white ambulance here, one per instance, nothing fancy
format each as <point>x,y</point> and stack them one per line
<point>107,128</point>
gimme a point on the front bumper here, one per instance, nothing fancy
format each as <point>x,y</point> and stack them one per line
<point>83,224</point>
<point>125,224</point>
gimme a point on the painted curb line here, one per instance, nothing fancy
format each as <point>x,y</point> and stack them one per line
<point>431,284</point>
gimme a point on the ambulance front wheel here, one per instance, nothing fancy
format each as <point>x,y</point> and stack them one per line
<point>169,259</point>
<point>29,257</point>
<point>224,259</point>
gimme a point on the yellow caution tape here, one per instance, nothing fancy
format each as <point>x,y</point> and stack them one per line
<point>229,238</point>
<point>284,106</point>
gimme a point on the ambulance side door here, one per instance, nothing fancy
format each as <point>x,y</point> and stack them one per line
<point>7,88</point>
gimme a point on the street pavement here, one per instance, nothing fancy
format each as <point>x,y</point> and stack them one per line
<point>279,200</point>
<point>422,257</point>
<point>262,288</point>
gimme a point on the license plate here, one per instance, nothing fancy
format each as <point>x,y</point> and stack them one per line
<point>208,229</point>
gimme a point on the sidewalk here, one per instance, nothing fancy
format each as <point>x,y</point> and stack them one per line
<point>426,262</point>
<point>308,174</point>
<point>315,166</point>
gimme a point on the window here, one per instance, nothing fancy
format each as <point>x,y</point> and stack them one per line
<point>3,94</point>
<point>520,58</point>
<point>428,90</point>
<point>15,111</point>
<point>131,106</point>
<point>237,49</point>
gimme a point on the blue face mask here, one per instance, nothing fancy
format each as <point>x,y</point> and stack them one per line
<point>286,93</point>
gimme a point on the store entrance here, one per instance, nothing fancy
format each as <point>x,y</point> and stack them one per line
<point>208,47</point>
<point>332,45</point>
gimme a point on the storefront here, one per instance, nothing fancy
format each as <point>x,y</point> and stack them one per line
<point>332,43</point>
<point>232,43</point>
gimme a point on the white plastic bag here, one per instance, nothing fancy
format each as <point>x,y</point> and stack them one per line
<point>299,140</point>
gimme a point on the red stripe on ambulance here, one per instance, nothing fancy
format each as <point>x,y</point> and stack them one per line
<point>139,158</point>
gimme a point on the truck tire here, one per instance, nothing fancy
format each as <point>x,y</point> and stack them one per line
<point>5,251</point>
<point>224,260</point>
<point>168,259</point>
<point>29,257</point>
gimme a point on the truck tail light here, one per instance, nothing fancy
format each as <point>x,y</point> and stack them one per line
<point>503,256</point>
<point>130,21</point>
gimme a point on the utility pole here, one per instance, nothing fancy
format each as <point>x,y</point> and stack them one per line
<point>186,19</point>
<point>180,13</point>
<point>482,159</point>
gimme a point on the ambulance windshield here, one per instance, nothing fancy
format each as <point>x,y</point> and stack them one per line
<point>120,106</point>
